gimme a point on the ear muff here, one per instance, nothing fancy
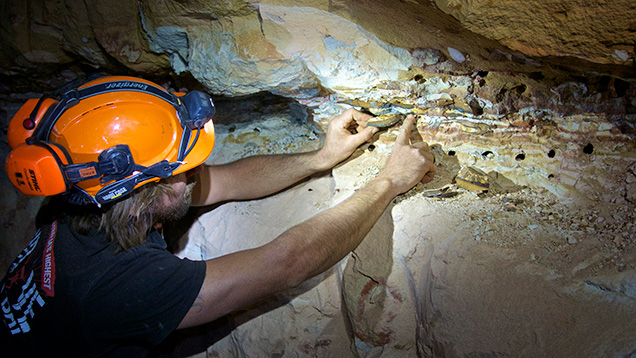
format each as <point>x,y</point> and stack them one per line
<point>36,169</point>
<point>27,118</point>
<point>42,168</point>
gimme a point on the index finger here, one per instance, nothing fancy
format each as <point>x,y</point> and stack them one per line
<point>405,130</point>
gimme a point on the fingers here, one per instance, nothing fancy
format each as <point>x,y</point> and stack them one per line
<point>366,134</point>
<point>423,146</point>
<point>348,117</point>
<point>405,131</point>
<point>360,117</point>
<point>354,124</point>
<point>429,158</point>
<point>429,175</point>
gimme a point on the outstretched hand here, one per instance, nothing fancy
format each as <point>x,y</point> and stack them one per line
<point>340,141</point>
<point>409,163</point>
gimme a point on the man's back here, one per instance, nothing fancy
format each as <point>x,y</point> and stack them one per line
<point>72,295</point>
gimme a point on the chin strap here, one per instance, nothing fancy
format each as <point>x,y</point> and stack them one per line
<point>123,187</point>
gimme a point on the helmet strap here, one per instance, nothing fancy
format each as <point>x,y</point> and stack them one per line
<point>74,96</point>
<point>113,163</point>
<point>123,187</point>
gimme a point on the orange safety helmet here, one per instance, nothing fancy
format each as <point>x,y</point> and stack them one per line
<point>99,142</point>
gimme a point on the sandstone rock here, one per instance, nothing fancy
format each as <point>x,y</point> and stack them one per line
<point>552,28</point>
<point>427,276</point>
<point>497,274</point>
<point>56,33</point>
<point>279,50</point>
<point>276,39</point>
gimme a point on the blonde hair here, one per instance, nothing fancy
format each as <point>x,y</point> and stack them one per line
<point>126,222</point>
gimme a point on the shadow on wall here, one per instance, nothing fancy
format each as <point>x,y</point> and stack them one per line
<point>368,298</point>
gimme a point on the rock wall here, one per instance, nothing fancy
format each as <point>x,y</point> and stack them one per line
<point>446,272</point>
<point>538,97</point>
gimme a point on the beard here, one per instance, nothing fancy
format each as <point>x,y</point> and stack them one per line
<point>177,206</point>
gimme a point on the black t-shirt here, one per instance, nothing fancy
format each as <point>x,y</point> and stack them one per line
<point>70,295</point>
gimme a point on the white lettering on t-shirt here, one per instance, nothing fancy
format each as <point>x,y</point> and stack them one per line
<point>46,278</point>
<point>8,317</point>
<point>23,308</point>
<point>48,264</point>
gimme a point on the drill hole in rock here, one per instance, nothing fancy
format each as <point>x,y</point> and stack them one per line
<point>551,153</point>
<point>487,155</point>
<point>520,156</point>
<point>476,108</point>
<point>482,73</point>
<point>451,153</point>
<point>588,149</point>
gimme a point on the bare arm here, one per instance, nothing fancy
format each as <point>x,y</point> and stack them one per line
<point>238,279</point>
<point>262,175</point>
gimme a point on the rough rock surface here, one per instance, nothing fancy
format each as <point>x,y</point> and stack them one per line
<point>502,272</point>
<point>292,46</point>
<point>534,267</point>
<point>542,264</point>
<point>600,31</point>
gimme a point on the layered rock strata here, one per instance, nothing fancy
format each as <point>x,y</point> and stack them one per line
<point>451,272</point>
<point>540,98</point>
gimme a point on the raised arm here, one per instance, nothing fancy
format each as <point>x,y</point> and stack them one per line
<point>262,175</point>
<point>239,279</point>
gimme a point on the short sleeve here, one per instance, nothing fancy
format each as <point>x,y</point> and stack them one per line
<point>142,296</point>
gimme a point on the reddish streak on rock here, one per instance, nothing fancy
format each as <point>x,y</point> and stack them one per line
<point>363,296</point>
<point>395,293</point>
<point>381,338</point>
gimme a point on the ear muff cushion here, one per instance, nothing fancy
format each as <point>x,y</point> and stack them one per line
<point>34,170</point>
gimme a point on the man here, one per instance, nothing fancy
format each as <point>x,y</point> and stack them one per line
<point>98,281</point>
